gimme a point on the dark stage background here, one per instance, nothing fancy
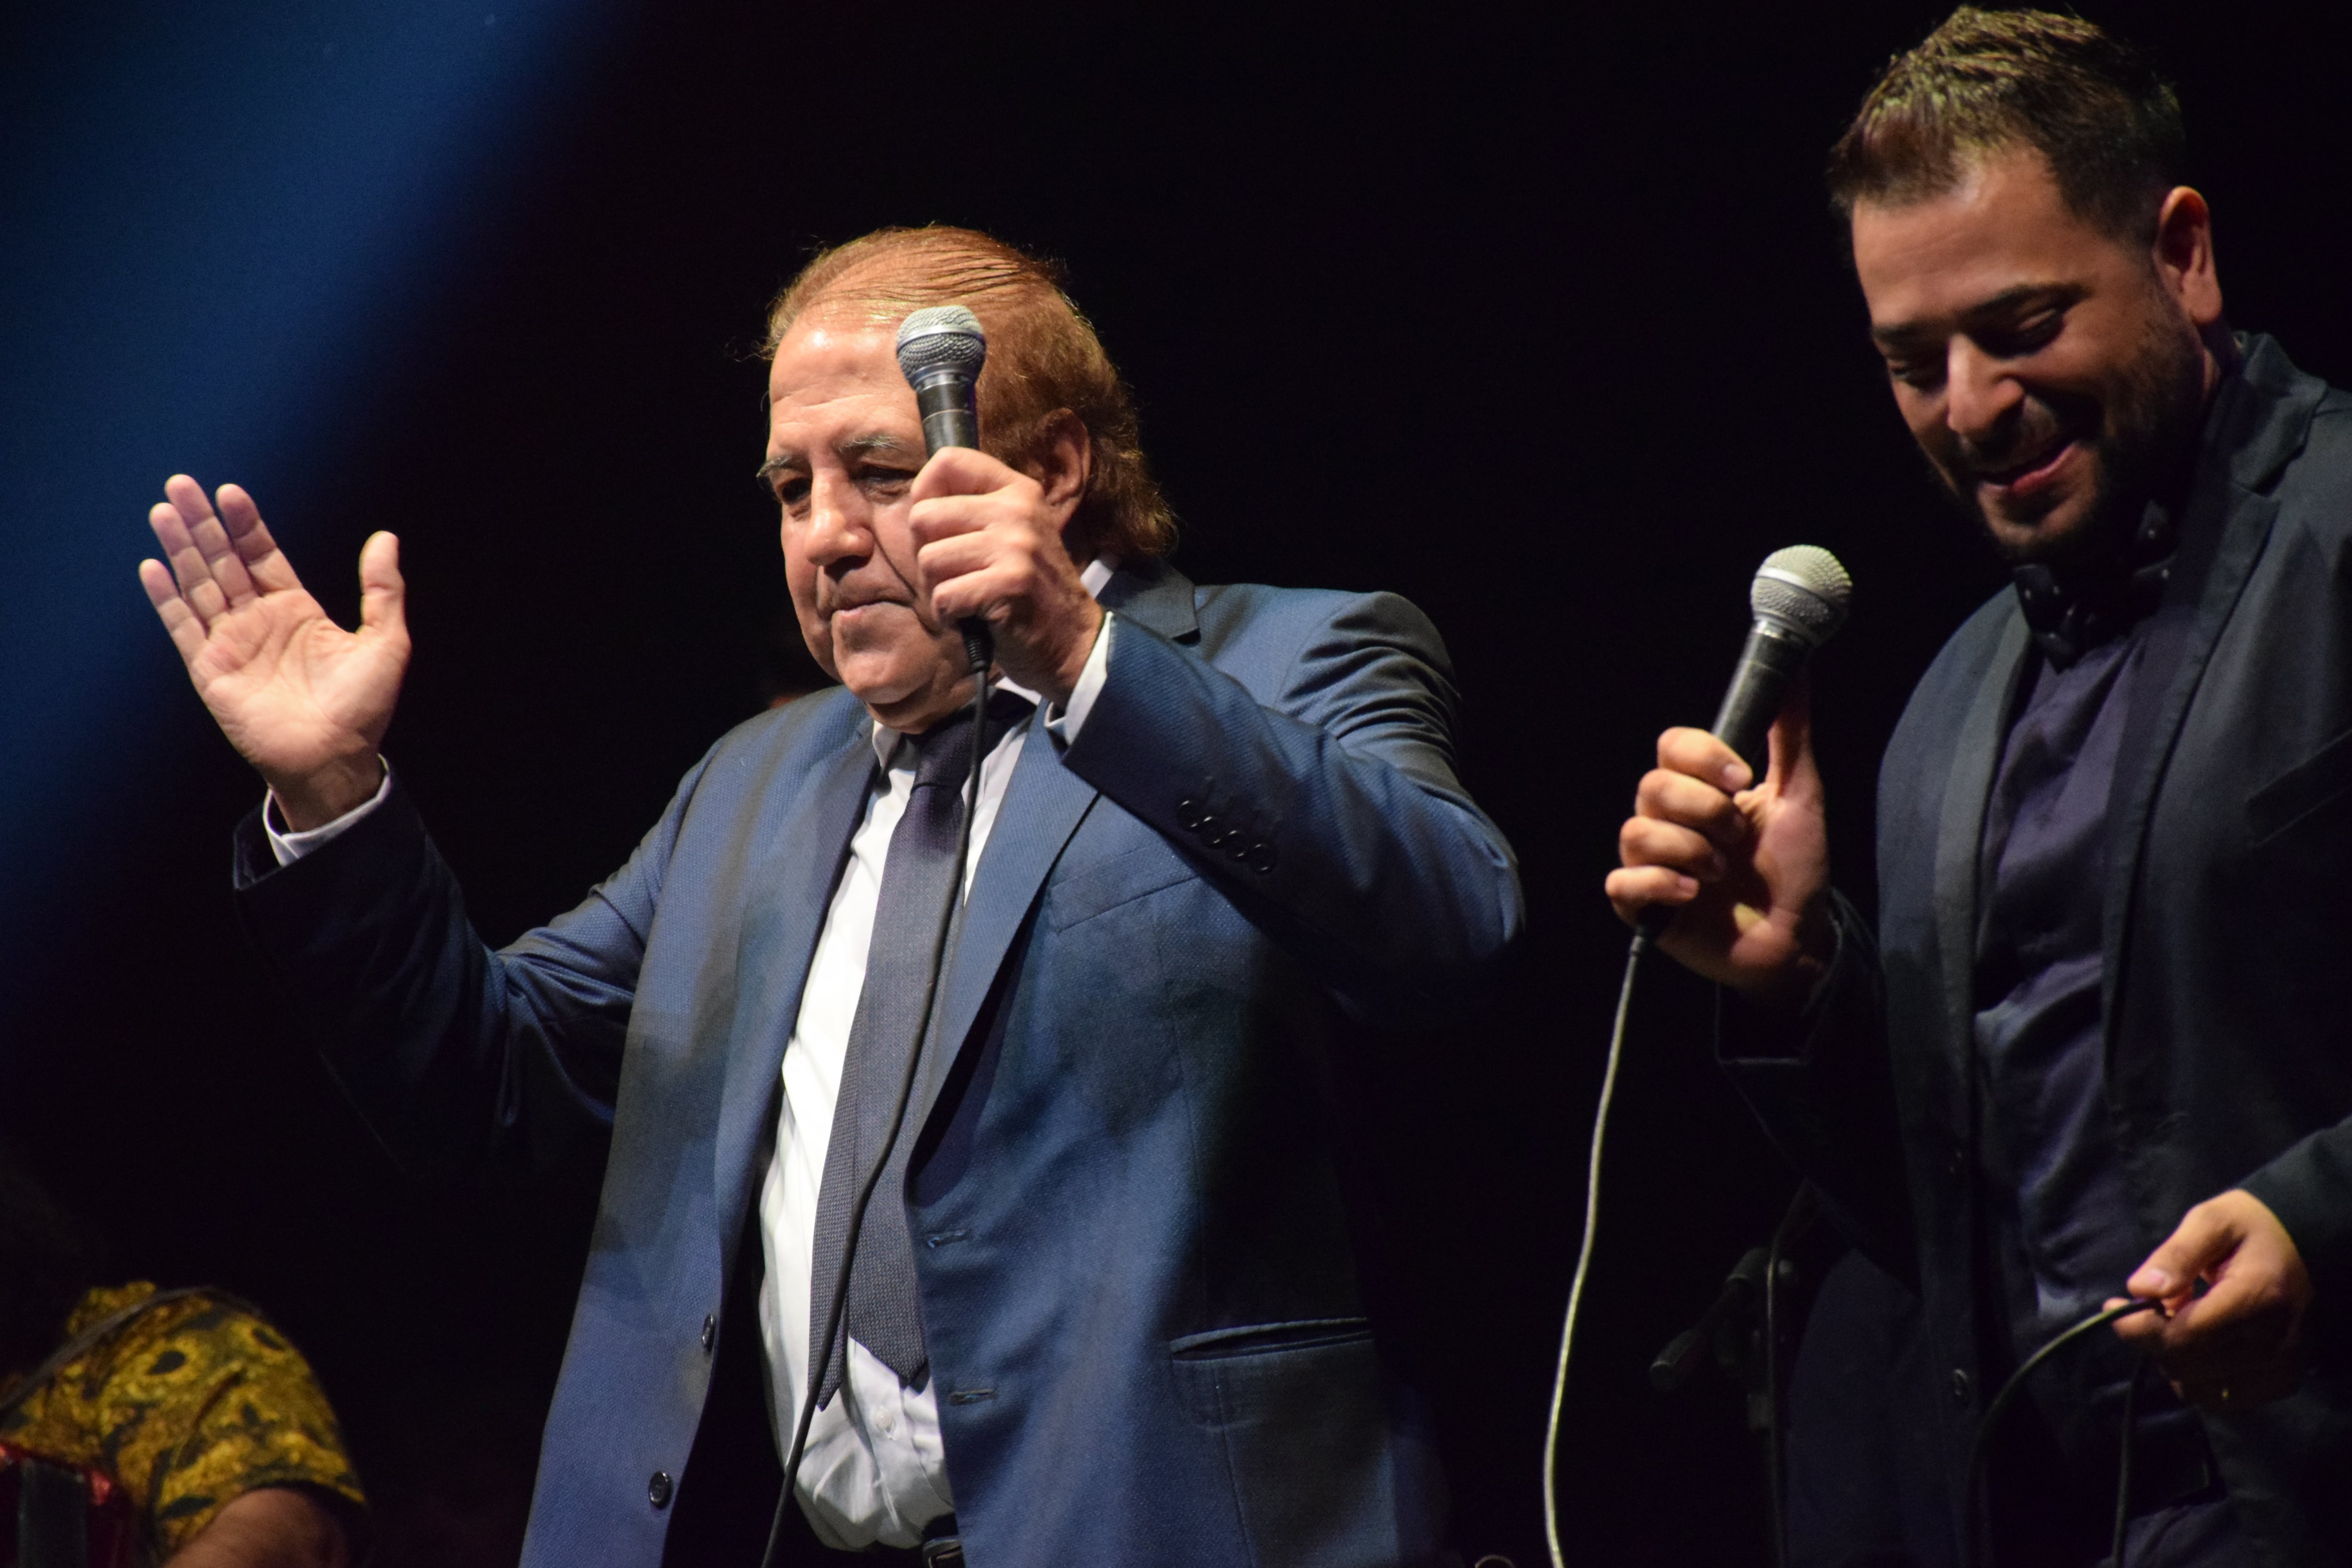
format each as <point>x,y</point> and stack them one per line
<point>1535,317</point>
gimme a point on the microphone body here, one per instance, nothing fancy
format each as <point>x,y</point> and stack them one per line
<point>1760,685</point>
<point>940,351</point>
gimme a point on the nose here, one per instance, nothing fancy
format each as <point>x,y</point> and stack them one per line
<point>838,528</point>
<point>1980,395</point>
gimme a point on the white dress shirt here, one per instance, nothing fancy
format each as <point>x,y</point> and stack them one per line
<point>875,1470</point>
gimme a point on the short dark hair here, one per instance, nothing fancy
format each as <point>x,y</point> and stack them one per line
<point>48,1259</point>
<point>1989,80</point>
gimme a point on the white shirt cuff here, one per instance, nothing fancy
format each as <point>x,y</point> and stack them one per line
<point>291,846</point>
<point>1065,721</point>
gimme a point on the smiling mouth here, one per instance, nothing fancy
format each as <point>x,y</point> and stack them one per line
<point>2026,476</point>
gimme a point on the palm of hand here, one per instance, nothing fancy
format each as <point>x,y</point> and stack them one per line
<point>304,700</point>
<point>292,690</point>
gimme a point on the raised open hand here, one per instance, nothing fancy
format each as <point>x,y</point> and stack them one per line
<point>303,701</point>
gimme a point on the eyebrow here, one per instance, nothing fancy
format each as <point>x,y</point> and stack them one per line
<point>1902,333</point>
<point>873,443</point>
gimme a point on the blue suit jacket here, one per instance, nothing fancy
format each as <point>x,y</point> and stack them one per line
<point>1142,1308</point>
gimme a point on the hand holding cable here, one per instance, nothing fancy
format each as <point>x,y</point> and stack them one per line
<point>2240,1342</point>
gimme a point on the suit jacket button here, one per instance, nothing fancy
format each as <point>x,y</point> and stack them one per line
<point>1241,848</point>
<point>709,1332</point>
<point>1260,856</point>
<point>1189,813</point>
<point>1961,1383</point>
<point>659,1489</point>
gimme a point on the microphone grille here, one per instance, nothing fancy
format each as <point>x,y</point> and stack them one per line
<point>1804,589</point>
<point>941,339</point>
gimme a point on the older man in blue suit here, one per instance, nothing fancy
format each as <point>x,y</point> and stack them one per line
<point>1105,1307</point>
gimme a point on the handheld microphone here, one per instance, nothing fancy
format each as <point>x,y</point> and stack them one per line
<point>940,351</point>
<point>1799,598</point>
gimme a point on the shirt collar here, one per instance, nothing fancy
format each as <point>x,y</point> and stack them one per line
<point>1097,574</point>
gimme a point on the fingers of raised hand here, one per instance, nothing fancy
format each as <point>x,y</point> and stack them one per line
<point>174,533</point>
<point>263,561</point>
<point>186,632</point>
<point>210,553</point>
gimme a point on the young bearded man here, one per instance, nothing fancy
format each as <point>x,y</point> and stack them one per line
<point>2095,1043</point>
<point>1105,1308</point>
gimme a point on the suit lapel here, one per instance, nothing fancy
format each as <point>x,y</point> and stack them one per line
<point>1959,831</point>
<point>2260,420</point>
<point>2179,645</point>
<point>791,887</point>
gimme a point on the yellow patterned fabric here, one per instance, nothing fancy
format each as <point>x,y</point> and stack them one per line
<point>190,1406</point>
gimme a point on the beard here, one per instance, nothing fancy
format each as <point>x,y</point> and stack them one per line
<point>2139,440</point>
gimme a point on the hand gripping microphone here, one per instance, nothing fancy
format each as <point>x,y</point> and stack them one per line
<point>1799,598</point>
<point>940,351</point>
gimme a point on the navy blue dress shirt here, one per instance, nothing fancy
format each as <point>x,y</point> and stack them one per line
<point>2060,1232</point>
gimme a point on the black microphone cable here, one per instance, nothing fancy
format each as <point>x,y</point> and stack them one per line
<point>1981,1447</point>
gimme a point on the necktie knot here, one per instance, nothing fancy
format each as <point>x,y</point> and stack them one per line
<point>944,751</point>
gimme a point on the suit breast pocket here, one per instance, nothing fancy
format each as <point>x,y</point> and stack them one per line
<point>2301,792</point>
<point>1107,884</point>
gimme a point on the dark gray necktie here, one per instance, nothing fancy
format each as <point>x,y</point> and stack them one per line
<point>918,885</point>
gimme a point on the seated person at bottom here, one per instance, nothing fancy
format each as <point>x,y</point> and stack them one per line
<point>1106,1307</point>
<point>205,1415</point>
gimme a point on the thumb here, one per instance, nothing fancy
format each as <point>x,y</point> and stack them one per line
<point>2204,1238</point>
<point>1790,770</point>
<point>383,595</point>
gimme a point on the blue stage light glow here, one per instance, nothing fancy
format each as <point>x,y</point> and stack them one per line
<point>212,214</point>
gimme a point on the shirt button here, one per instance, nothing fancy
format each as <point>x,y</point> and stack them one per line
<point>709,1334</point>
<point>659,1489</point>
<point>1961,1383</point>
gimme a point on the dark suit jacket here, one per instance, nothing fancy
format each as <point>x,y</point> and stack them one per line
<point>1143,1314</point>
<point>2229,939</point>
